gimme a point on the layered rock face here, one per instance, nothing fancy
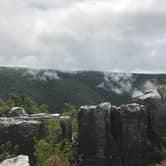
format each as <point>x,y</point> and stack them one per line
<point>156,112</point>
<point>92,132</point>
<point>119,136</point>
<point>23,129</point>
<point>133,134</point>
<point>156,121</point>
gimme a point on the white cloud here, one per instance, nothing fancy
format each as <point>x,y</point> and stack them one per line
<point>117,82</point>
<point>118,35</point>
<point>41,75</point>
<point>50,75</point>
<point>148,85</point>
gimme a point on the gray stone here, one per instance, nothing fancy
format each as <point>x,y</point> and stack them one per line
<point>156,121</point>
<point>24,130</point>
<point>133,127</point>
<point>111,136</point>
<point>92,131</point>
<point>17,111</point>
<point>156,113</point>
<point>5,124</point>
<point>16,161</point>
<point>66,126</point>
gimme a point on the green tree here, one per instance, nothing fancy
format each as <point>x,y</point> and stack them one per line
<point>161,91</point>
<point>71,111</point>
<point>51,150</point>
<point>4,108</point>
<point>27,103</point>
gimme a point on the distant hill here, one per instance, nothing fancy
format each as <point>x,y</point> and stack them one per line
<point>55,87</point>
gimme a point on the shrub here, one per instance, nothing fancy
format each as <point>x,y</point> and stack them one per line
<point>161,91</point>
<point>71,111</point>
<point>52,151</point>
<point>28,104</point>
<point>42,151</point>
<point>54,129</point>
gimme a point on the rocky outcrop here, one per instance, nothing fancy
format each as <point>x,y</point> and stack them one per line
<point>121,136</point>
<point>156,112</point>
<point>109,135</point>
<point>16,161</point>
<point>23,129</point>
<point>92,131</point>
<point>17,111</point>
<point>133,134</point>
<point>156,120</point>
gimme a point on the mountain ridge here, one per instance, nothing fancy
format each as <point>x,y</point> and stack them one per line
<point>55,87</point>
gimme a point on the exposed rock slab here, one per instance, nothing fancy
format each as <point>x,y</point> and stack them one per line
<point>17,111</point>
<point>16,161</point>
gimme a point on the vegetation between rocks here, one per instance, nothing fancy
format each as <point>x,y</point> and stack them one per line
<point>27,103</point>
<point>52,151</point>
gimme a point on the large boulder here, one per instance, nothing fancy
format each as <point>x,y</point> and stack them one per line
<point>17,111</point>
<point>24,133</point>
<point>16,129</point>
<point>16,161</point>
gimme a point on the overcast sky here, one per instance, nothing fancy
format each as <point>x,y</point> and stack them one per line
<point>114,35</point>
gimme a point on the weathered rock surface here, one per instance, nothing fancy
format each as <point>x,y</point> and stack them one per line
<point>17,111</point>
<point>156,112</point>
<point>133,137</point>
<point>156,118</point>
<point>121,136</point>
<point>23,129</point>
<point>92,131</point>
<point>110,135</point>
<point>16,161</point>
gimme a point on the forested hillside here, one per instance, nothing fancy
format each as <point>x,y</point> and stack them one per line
<point>55,88</point>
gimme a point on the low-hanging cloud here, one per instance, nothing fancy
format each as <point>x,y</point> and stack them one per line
<point>148,85</point>
<point>42,75</point>
<point>118,83</point>
<point>119,35</point>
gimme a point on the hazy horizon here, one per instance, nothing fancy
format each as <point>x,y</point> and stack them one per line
<point>84,70</point>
